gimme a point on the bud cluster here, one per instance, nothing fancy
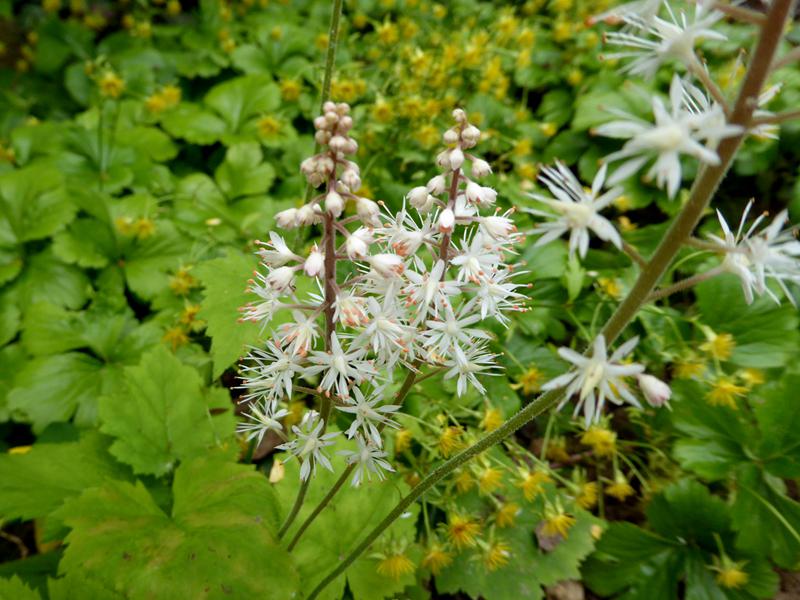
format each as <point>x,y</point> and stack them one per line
<point>414,290</point>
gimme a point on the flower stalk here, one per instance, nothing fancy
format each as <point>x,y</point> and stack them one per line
<point>678,234</point>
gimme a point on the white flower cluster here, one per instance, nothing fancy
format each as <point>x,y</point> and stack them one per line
<point>396,291</point>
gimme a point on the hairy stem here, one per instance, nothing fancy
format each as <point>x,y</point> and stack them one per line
<point>684,284</point>
<point>634,255</point>
<point>702,191</point>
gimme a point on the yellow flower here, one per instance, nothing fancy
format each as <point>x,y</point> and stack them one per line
<point>268,126</point>
<point>462,531</point>
<point>449,440</point>
<point>427,136</point>
<point>496,556</point>
<point>557,449</point>
<point>182,282</point>
<point>439,11</point>
<point>752,377</point>
<point>276,33</point>
<point>724,392</point>
<point>620,489</point>
<point>732,578</point>
<point>549,129</point>
<point>171,95</point>
<point>111,84</point>
<point>297,409</point>
<point>155,103</point>
<point>557,522</point>
<point>522,147</point>
<point>395,566</point>
<point>489,480</point>
<point>603,441</point>
<point>437,558</point>
<point>382,111</point>
<point>562,31</point>
<point>175,337</point>
<point>625,224</point>
<point>587,495</point>
<point>290,89</point>
<point>464,481</point>
<point>526,36</point>
<point>173,8</point>
<point>492,419</point>
<point>51,6</point>
<point>530,381</point>
<point>719,345</point>
<point>387,33</point>
<point>321,41</point>
<point>532,483</point>
<point>7,154</point>
<point>527,171</point>
<point>402,441</point>
<point>610,286</point>
<point>360,21</point>
<point>575,77</point>
<point>689,369</point>
<point>507,515</point>
<point>128,22</point>
<point>189,314</point>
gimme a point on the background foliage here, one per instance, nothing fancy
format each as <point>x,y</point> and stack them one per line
<point>145,145</point>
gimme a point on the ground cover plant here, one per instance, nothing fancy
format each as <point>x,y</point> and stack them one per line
<point>399,300</point>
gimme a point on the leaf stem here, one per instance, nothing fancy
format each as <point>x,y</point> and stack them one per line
<point>701,194</point>
<point>684,284</point>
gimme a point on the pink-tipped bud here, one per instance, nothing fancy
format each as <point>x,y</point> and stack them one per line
<point>459,116</point>
<point>281,279</point>
<point>447,220</point>
<point>656,392</point>
<point>450,136</point>
<point>368,211</point>
<point>443,160</point>
<point>338,143</point>
<point>456,158</point>
<point>306,215</point>
<point>471,135</point>
<point>351,179</point>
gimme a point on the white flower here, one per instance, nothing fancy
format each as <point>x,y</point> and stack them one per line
<point>369,460</point>
<point>275,253</point>
<point>309,443</point>
<point>476,260</point>
<point>261,419</point>
<point>753,257</point>
<point>368,211</point>
<point>656,392</point>
<point>428,291</point>
<point>597,378</point>
<point>675,132</point>
<point>480,168</point>
<point>453,330</point>
<point>368,414</point>
<point>301,333</point>
<point>340,367</point>
<point>334,203</point>
<point>659,40</point>
<point>467,365</point>
<point>269,302</point>
<point>437,185</point>
<point>358,242</point>
<point>385,333</point>
<point>349,309</point>
<point>497,294</point>
<point>447,220</point>
<point>498,227</point>
<point>270,373</point>
<point>575,209</point>
<point>287,219</point>
<point>387,265</point>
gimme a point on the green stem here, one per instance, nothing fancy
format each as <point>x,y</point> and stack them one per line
<point>702,191</point>
<point>401,395</point>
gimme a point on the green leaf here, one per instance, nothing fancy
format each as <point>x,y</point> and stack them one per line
<point>158,415</point>
<point>14,589</point>
<point>150,141</point>
<point>147,261</point>
<point>87,242</point>
<point>9,319</point>
<point>687,511</point>
<point>219,539</point>
<point>34,203</point>
<point>12,360</point>
<point>242,98</point>
<point>243,172</point>
<point>777,417</point>
<point>193,124</point>
<point>46,279</point>
<point>766,334</point>
<point>38,482</point>
<point>224,281</point>
<point>54,388</point>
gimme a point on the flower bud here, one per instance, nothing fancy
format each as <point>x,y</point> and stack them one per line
<point>456,158</point>
<point>338,143</point>
<point>287,219</point>
<point>351,179</point>
<point>473,192</point>
<point>498,227</point>
<point>443,160</point>
<point>471,135</point>
<point>329,107</point>
<point>459,116</point>
<point>342,108</point>
<point>656,392</point>
<point>281,279</point>
<point>447,220</point>
<point>480,168</point>
<point>450,136</point>
<point>488,197</point>
<point>351,147</point>
<point>306,215</point>
<point>437,185</point>
<point>334,204</point>
<point>320,123</point>
<point>418,196</point>
<point>322,137</point>
<point>331,117</point>
<point>315,263</point>
<point>345,124</point>
<point>387,265</point>
<point>368,211</point>
<point>358,243</point>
